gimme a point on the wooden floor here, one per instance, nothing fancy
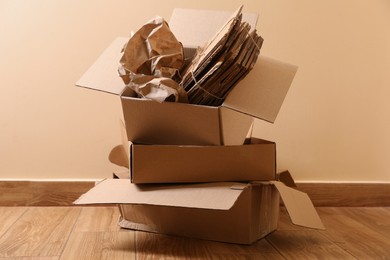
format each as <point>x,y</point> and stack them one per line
<point>92,233</point>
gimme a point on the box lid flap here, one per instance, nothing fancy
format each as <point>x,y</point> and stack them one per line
<point>194,28</point>
<point>221,195</point>
<point>299,207</point>
<point>103,74</point>
<point>262,92</point>
<point>118,156</point>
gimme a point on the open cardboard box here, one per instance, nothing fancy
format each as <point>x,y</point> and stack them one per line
<point>230,212</point>
<point>253,161</point>
<point>234,212</point>
<point>259,95</point>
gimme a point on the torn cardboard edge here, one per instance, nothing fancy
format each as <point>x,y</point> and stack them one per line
<point>217,196</point>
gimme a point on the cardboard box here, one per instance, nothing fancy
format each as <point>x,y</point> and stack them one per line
<point>228,212</point>
<point>253,161</point>
<point>260,94</point>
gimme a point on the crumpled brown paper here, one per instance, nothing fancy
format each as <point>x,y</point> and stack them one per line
<point>151,62</point>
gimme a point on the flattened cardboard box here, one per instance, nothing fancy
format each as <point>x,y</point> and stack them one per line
<point>228,212</point>
<point>253,161</point>
<point>260,94</point>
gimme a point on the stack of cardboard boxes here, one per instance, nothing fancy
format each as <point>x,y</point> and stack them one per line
<point>195,170</point>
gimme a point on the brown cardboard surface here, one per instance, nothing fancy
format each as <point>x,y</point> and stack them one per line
<point>219,196</point>
<point>171,123</point>
<point>262,92</point>
<point>234,126</point>
<point>103,74</point>
<point>299,207</point>
<point>119,156</point>
<point>286,178</point>
<point>174,164</point>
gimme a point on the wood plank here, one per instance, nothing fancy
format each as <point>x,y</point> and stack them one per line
<point>261,249</point>
<point>361,224</point>
<point>41,193</point>
<point>96,235</point>
<point>306,244</point>
<point>39,232</point>
<point>377,219</point>
<point>100,245</point>
<point>347,194</point>
<point>158,246</point>
<point>355,234</point>
<point>96,219</point>
<point>8,216</point>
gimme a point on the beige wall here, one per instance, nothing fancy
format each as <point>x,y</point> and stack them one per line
<point>333,126</point>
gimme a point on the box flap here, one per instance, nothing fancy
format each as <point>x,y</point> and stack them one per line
<point>206,196</point>
<point>103,74</point>
<point>286,178</point>
<point>235,126</point>
<point>125,142</point>
<point>194,28</point>
<point>299,207</point>
<point>118,156</point>
<point>262,92</point>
